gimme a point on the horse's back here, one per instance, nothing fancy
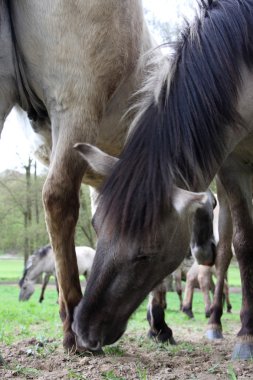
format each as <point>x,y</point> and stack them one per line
<point>85,256</point>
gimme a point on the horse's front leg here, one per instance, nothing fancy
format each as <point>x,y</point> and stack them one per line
<point>156,316</point>
<point>237,181</point>
<point>44,285</point>
<point>222,261</point>
<point>241,210</point>
<point>61,202</point>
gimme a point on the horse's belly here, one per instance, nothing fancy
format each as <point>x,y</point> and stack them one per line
<point>77,52</point>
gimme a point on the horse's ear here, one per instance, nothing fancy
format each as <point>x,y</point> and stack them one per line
<point>188,201</point>
<point>99,161</point>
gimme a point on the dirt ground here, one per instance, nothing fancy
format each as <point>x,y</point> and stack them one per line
<point>133,358</point>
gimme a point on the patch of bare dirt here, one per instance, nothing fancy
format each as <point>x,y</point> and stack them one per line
<point>133,358</point>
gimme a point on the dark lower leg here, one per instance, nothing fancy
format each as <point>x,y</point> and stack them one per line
<point>156,316</point>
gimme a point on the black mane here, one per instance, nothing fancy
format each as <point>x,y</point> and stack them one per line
<point>41,252</point>
<point>182,136</point>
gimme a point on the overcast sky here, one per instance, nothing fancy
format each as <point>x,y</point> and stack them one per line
<point>15,145</point>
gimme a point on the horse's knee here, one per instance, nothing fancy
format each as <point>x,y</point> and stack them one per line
<point>61,202</point>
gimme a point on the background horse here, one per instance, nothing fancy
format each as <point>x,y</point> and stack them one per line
<point>43,262</point>
<point>203,241</point>
<point>195,119</point>
<point>201,277</point>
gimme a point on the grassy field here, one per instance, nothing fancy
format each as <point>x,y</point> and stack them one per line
<point>11,270</point>
<point>33,333</point>
<point>26,319</point>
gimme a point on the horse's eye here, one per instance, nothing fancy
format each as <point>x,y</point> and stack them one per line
<point>141,257</point>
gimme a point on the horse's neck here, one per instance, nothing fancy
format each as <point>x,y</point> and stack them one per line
<point>43,265</point>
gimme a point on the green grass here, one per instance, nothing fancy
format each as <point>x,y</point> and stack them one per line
<point>234,279</point>
<point>31,319</point>
<point>23,320</point>
<point>11,270</point>
<point>20,320</point>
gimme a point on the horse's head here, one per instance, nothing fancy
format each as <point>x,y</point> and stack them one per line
<point>26,290</point>
<point>125,268</point>
<point>26,285</point>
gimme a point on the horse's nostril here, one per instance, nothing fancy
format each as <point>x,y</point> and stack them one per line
<point>93,345</point>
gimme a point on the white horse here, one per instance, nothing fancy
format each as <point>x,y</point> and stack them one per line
<point>43,262</point>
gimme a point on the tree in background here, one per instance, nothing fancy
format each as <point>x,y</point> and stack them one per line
<point>167,29</point>
<point>23,227</point>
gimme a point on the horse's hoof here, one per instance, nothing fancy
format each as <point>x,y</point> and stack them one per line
<point>162,337</point>
<point>243,351</point>
<point>188,312</point>
<point>172,341</point>
<point>69,342</point>
<point>213,334</point>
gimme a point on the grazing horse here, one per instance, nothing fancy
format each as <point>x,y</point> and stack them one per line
<point>74,67</point>
<point>195,119</point>
<point>43,261</point>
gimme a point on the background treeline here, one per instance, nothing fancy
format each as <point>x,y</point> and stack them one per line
<point>23,228</point>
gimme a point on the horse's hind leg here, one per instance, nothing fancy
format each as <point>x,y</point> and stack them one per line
<point>61,202</point>
<point>177,275</point>
<point>156,316</point>
<point>226,296</point>
<point>189,290</point>
<point>204,279</point>
<point>223,258</point>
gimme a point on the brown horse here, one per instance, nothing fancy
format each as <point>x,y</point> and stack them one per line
<point>195,120</point>
<point>74,67</point>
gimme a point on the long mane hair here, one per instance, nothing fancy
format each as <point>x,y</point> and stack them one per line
<point>179,134</point>
<point>37,255</point>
